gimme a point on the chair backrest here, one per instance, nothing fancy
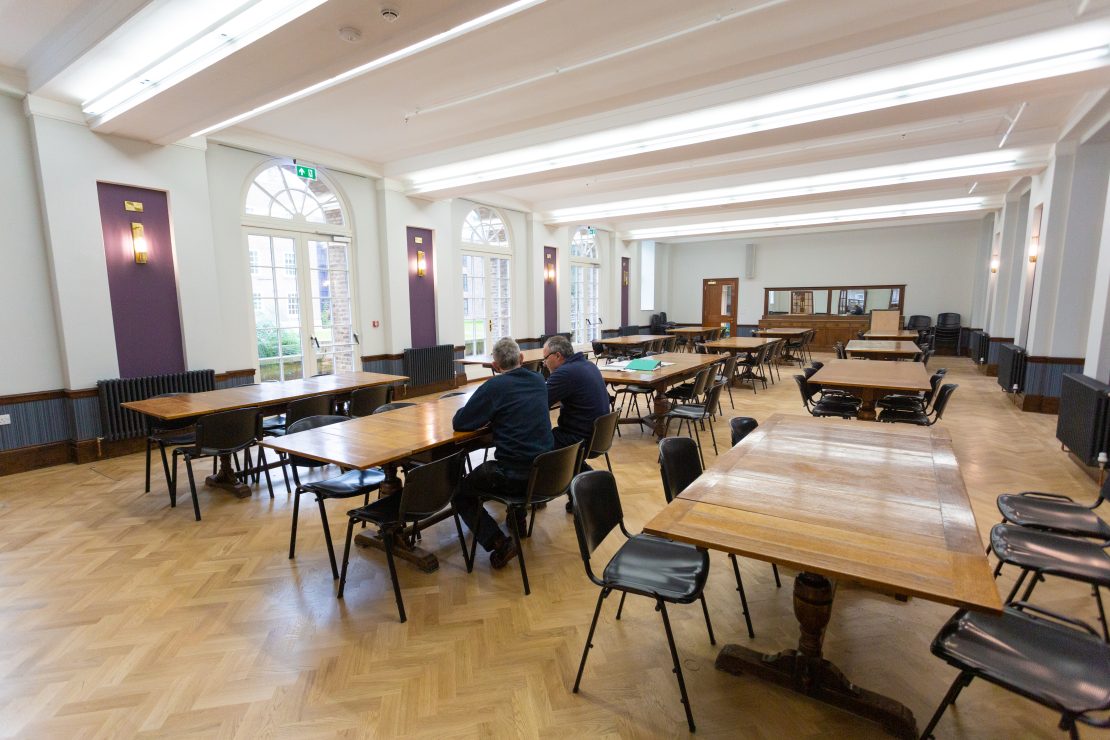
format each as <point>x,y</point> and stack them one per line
<point>227,430</point>
<point>713,397</point>
<point>679,464</point>
<point>729,368</point>
<point>393,405</point>
<point>669,343</point>
<point>303,425</point>
<point>302,408</point>
<point>948,319</point>
<point>701,380</point>
<point>552,473</point>
<point>597,510</point>
<point>816,365</point>
<point>841,352</point>
<point>741,427</point>
<point>429,488</point>
<point>917,321</point>
<point>803,388</point>
<point>365,400</point>
<point>605,428</point>
<point>943,395</point>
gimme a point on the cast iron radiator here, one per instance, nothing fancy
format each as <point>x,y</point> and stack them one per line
<point>1011,368</point>
<point>119,423</point>
<point>430,365</point>
<point>1083,425</point>
<point>979,346</point>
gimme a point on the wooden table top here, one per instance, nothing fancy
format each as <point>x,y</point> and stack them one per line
<point>187,405</point>
<point>374,440</point>
<point>784,331</point>
<point>633,339</point>
<point>739,344</point>
<point>530,355</point>
<point>886,374</point>
<point>901,334</point>
<point>883,505</point>
<point>871,346</point>
<point>692,329</point>
<point>682,365</point>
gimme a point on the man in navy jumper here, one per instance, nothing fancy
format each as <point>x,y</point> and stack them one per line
<point>575,383</point>
<point>514,403</point>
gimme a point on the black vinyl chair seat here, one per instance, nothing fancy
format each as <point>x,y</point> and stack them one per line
<point>1054,513</point>
<point>1065,668</point>
<point>654,566</point>
<point>1052,554</point>
<point>351,483</point>
<point>922,416</point>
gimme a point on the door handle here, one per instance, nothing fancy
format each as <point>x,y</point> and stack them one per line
<point>491,325</point>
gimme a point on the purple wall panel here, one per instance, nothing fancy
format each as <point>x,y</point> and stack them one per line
<point>626,267</point>
<point>550,291</point>
<point>145,313</point>
<point>422,290</point>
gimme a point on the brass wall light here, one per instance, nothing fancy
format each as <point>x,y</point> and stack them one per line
<point>138,243</point>
<point>421,263</point>
<point>994,264</point>
<point>1033,245</point>
<point>549,272</point>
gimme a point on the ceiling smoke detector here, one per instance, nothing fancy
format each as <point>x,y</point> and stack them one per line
<point>389,14</point>
<point>350,34</point>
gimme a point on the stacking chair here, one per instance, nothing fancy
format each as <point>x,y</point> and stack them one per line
<point>913,402</point>
<point>1055,661</point>
<point>166,433</point>
<point>841,351</point>
<point>727,373</point>
<point>696,412</point>
<point>550,477</point>
<point>823,393</point>
<point>667,572</point>
<point>218,434</point>
<point>301,408</point>
<point>428,490</point>
<point>831,406</point>
<point>1044,553</point>
<point>670,343</point>
<point>348,485</point>
<point>751,368</point>
<point>922,417</point>
<point>628,397</point>
<point>740,427</point>
<point>694,390</point>
<point>393,405</point>
<point>771,360</point>
<point>679,466</point>
<point>365,400</point>
<point>1055,513</point>
<point>601,441</point>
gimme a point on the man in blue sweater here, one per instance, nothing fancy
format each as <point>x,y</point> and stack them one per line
<point>576,384</point>
<point>514,404</point>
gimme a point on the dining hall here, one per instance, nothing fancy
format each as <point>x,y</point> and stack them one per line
<point>552,367</point>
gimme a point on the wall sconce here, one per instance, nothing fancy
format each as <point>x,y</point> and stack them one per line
<point>625,277</point>
<point>138,243</point>
<point>549,273</point>
<point>421,263</point>
<point>994,264</point>
<point>1033,250</point>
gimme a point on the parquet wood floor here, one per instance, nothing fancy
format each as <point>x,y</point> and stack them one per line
<point>121,617</point>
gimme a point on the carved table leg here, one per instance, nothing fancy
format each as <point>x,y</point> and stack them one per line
<point>418,556</point>
<point>660,406</point>
<point>805,670</point>
<point>869,396</point>
<point>225,478</point>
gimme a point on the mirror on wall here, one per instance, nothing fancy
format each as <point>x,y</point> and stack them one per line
<point>832,300</point>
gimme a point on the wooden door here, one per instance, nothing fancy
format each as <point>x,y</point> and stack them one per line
<point>719,298</point>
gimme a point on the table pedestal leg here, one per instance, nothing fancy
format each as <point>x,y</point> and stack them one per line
<point>804,670</point>
<point>226,479</point>
<point>660,406</point>
<point>418,556</point>
<point>869,396</point>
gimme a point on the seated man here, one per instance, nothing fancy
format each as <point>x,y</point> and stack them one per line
<point>514,404</point>
<point>576,384</point>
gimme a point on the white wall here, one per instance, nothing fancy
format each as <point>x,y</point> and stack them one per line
<point>935,261</point>
<point>27,328</point>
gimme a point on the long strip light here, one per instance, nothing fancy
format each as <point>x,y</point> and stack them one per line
<point>248,22</point>
<point>972,165</point>
<point>1031,58</point>
<point>871,213</point>
<point>396,56</point>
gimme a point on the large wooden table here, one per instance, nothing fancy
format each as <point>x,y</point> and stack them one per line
<point>530,355</point>
<point>784,332</point>
<point>735,345</point>
<point>383,440</point>
<point>880,505</point>
<point>679,367</point>
<point>269,396</point>
<point>899,335</point>
<point>872,349</point>
<point>873,379</point>
<point>692,333</point>
<point>632,340</point>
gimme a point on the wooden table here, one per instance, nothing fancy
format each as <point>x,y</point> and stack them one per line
<point>880,505</point>
<point>872,380</point>
<point>871,349</point>
<point>679,367</point>
<point>530,355</point>
<point>692,333</point>
<point>901,335</point>
<point>383,440</point>
<point>271,396</point>
<point>735,345</point>
<point>632,340</point>
<point>785,332</point>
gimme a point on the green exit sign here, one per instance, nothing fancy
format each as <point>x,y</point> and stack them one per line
<point>308,173</point>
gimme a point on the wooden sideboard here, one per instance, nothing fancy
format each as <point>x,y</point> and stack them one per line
<point>829,328</point>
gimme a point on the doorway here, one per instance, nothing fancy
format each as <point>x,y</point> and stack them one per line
<point>486,301</point>
<point>719,299</point>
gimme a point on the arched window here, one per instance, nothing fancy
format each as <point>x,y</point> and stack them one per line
<point>585,282</point>
<point>584,243</point>
<point>486,279</point>
<point>299,254</point>
<point>277,192</point>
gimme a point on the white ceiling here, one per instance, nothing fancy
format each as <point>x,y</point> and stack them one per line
<point>565,68</point>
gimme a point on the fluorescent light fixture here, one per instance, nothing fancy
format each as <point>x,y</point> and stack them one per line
<point>1031,58</point>
<point>971,165</point>
<point>245,24</point>
<point>396,56</point>
<point>871,213</point>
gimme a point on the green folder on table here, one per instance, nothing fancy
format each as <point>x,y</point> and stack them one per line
<point>643,364</point>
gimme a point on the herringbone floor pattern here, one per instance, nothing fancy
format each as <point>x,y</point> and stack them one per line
<point>121,617</point>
